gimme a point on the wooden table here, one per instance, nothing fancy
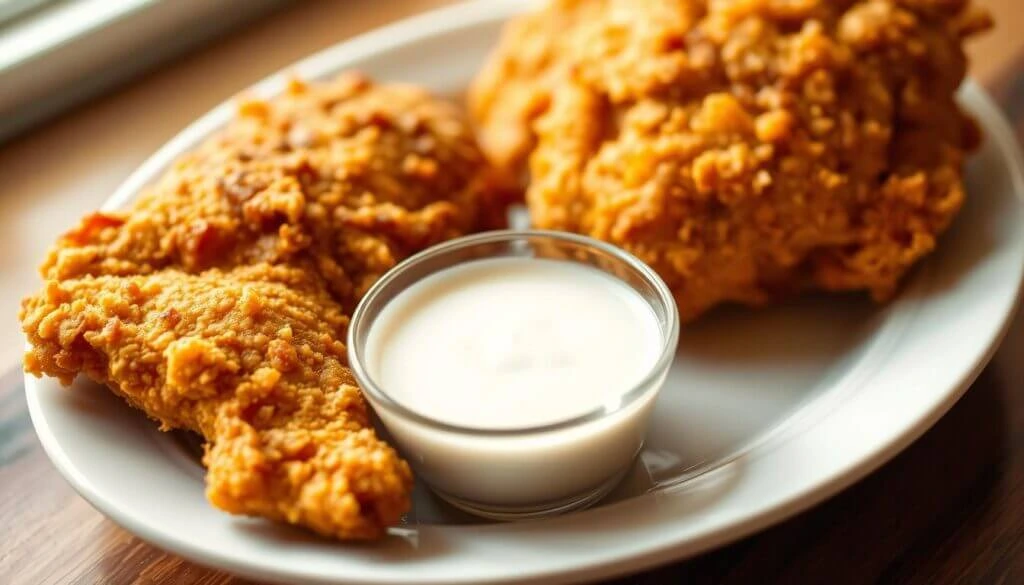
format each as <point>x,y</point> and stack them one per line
<point>949,509</point>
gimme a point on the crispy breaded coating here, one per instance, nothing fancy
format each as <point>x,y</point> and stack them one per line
<point>745,149</point>
<point>349,175</point>
<point>218,301</point>
<point>251,359</point>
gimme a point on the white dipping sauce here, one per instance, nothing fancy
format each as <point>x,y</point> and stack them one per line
<point>508,343</point>
<point>513,342</point>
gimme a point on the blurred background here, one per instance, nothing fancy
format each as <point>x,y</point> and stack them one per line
<point>90,88</point>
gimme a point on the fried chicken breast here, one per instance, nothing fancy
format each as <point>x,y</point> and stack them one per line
<point>745,149</point>
<point>219,300</point>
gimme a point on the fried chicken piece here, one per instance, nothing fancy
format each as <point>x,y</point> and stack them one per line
<point>348,174</point>
<point>219,300</point>
<point>248,358</point>
<point>745,149</point>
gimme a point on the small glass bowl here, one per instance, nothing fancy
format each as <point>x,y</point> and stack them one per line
<point>524,472</point>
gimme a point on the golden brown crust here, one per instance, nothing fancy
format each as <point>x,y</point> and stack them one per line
<point>744,149</point>
<point>219,300</point>
<point>249,358</point>
<point>348,175</point>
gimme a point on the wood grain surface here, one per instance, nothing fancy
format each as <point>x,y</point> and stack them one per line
<point>950,509</point>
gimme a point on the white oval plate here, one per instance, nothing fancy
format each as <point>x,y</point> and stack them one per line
<point>765,414</point>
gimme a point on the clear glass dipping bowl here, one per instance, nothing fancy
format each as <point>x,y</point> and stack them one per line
<point>523,472</point>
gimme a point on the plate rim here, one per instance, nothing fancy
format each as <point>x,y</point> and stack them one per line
<point>444,21</point>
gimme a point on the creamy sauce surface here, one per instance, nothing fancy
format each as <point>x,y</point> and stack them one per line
<point>512,342</point>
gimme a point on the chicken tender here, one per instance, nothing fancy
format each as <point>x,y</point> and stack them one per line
<point>218,302</point>
<point>745,149</point>
<point>348,175</point>
<point>251,360</point>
